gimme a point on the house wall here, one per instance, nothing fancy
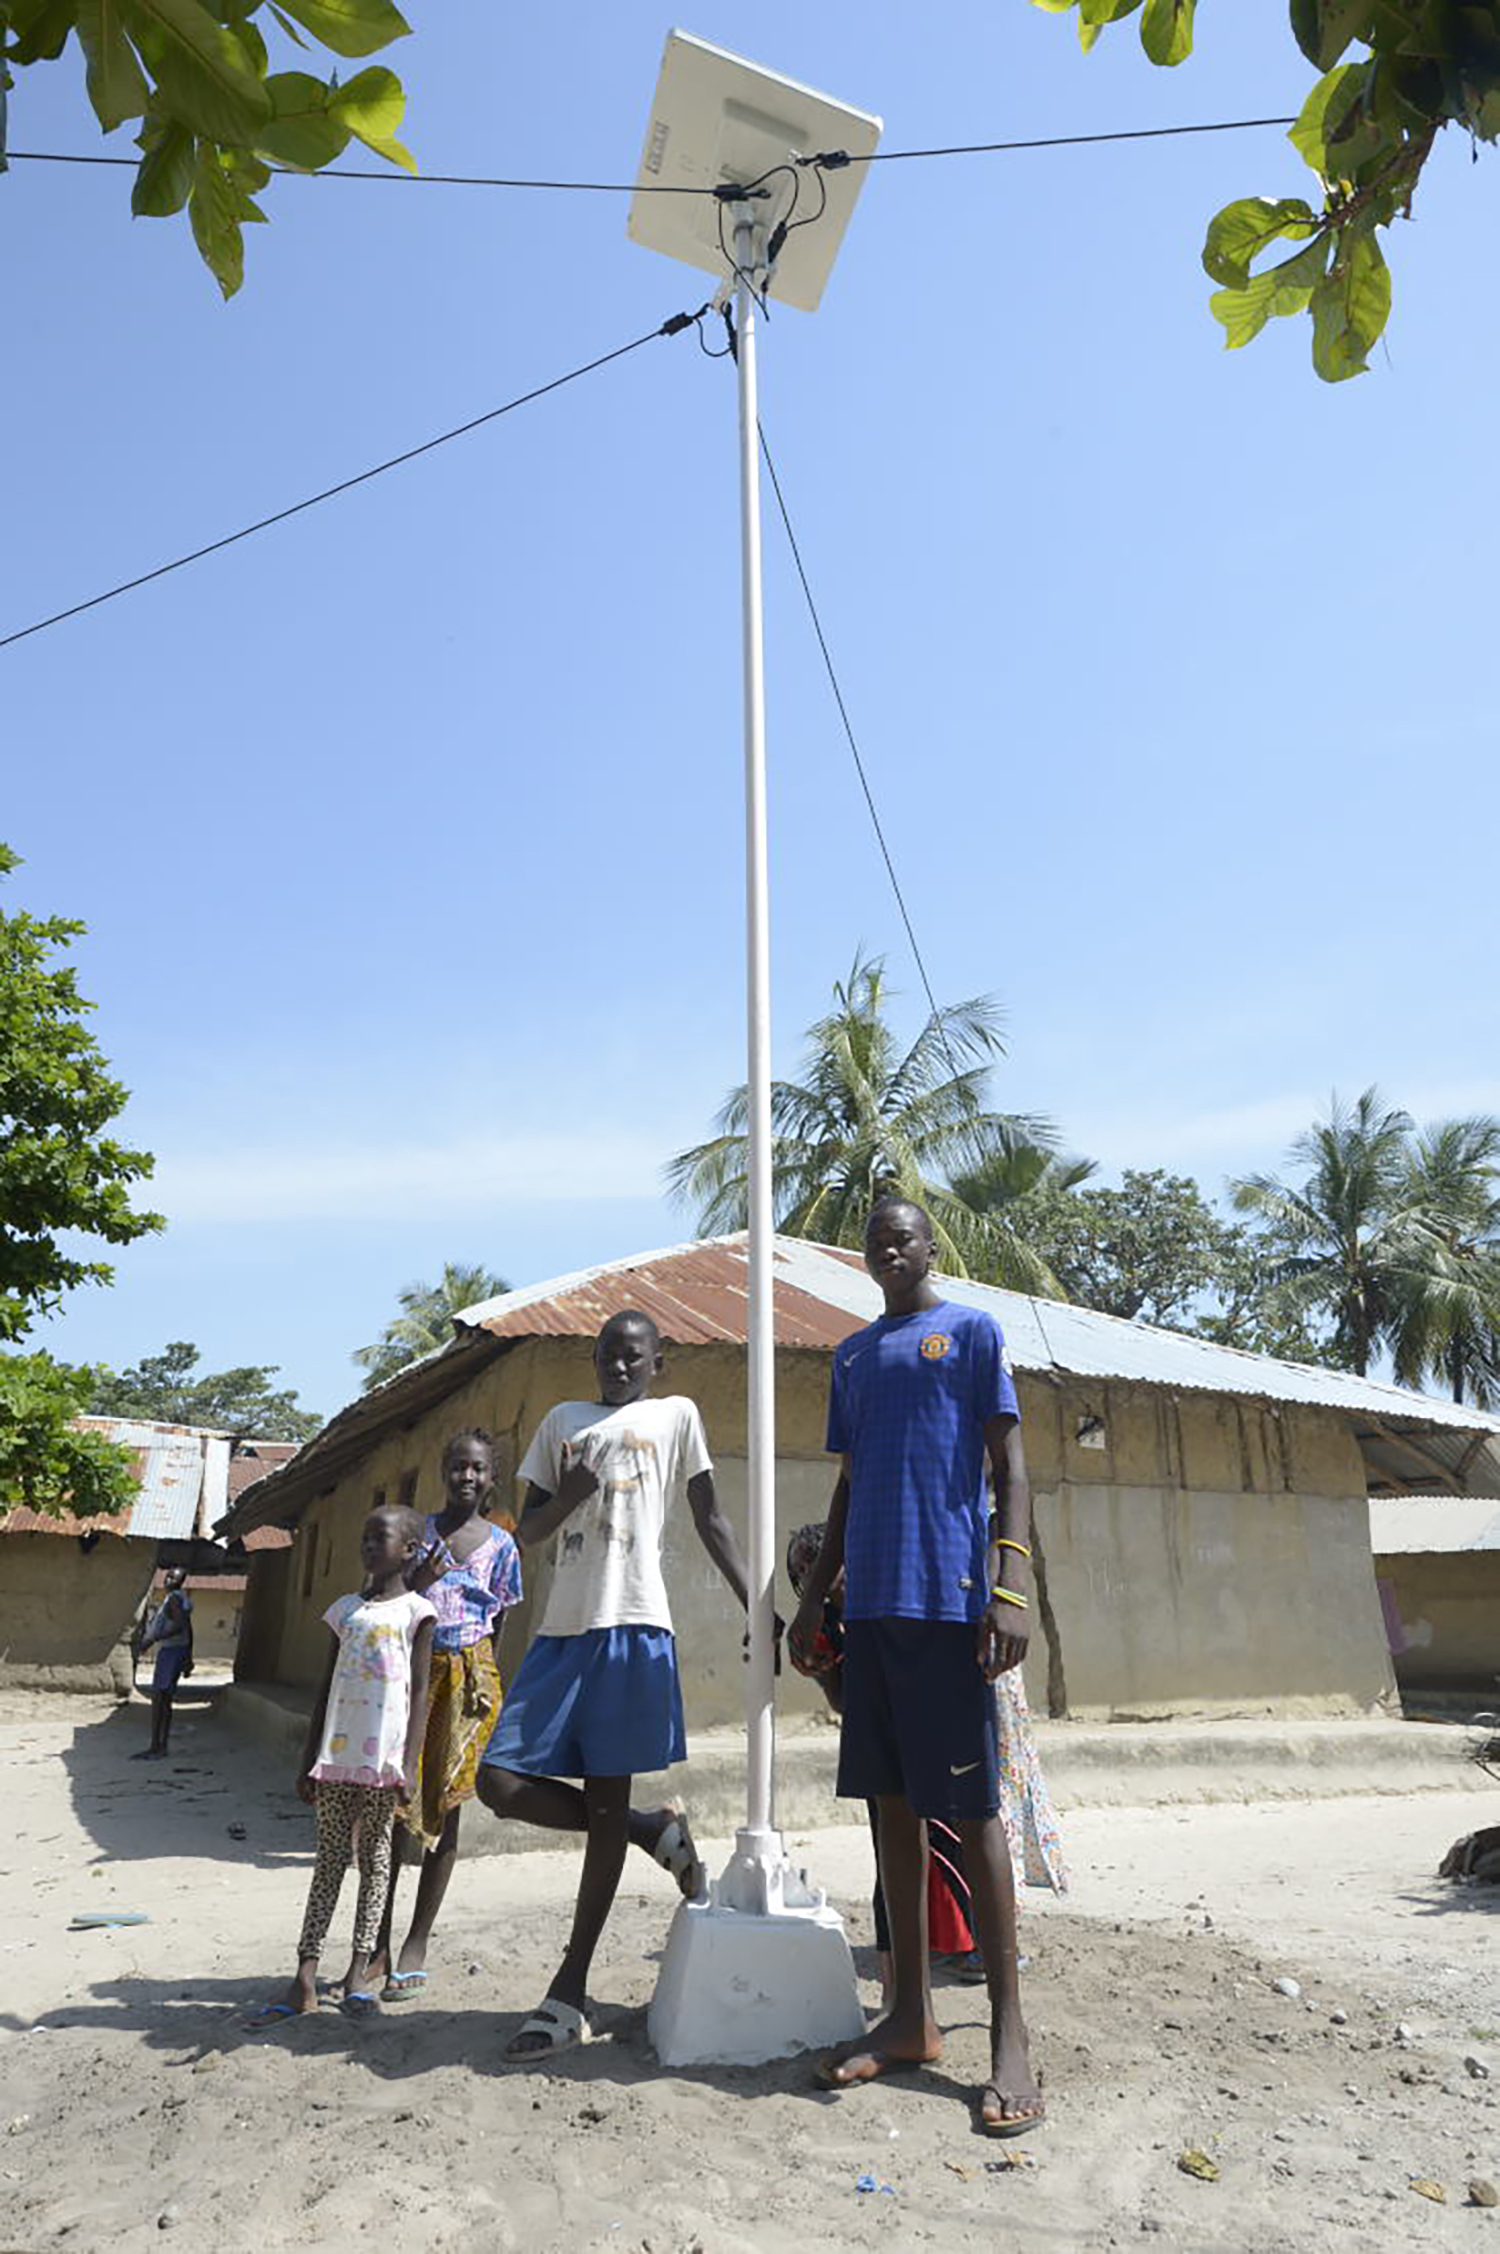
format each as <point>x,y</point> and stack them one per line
<point>66,1613</point>
<point>1449,1603</point>
<point>1203,1555</point>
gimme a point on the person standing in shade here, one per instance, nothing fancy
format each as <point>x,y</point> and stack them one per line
<point>170,1629</point>
<point>935,1609</point>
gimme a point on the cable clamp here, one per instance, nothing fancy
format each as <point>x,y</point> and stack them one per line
<point>830,160</point>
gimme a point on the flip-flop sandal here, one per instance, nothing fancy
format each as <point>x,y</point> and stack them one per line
<point>359,2003</point>
<point>400,1987</point>
<point>675,1852</point>
<point>824,2071</point>
<point>565,2027</point>
<point>1016,2128</point>
<point>86,1921</point>
<point>266,2015</point>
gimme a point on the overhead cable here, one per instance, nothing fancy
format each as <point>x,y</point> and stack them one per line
<point>937,1018</point>
<point>669,328</point>
<point>830,160</point>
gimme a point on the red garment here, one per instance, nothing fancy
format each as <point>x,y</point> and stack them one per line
<point>948,1933</point>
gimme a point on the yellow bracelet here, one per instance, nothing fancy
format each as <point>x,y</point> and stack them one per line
<point>1008,1596</point>
<point>1002,1543</point>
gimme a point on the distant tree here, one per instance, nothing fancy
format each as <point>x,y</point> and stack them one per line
<point>1353,1239</point>
<point>242,1401</point>
<point>426,1319</point>
<point>214,117</point>
<point>1147,1250</point>
<point>1447,1324</point>
<point>62,1177</point>
<point>871,1119</point>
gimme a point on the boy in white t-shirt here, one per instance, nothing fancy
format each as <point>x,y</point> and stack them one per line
<point>597,1695</point>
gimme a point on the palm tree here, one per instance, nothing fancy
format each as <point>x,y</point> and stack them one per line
<point>1353,1237</point>
<point>867,1121</point>
<point>1449,1326</point>
<point>426,1319</point>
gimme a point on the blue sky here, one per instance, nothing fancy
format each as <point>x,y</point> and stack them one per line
<point>408,833</point>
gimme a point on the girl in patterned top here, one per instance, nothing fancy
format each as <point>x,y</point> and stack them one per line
<point>361,1752</point>
<point>470,1572</point>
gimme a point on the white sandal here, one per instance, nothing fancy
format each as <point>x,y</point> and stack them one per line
<point>564,2026</point>
<point>676,1853</point>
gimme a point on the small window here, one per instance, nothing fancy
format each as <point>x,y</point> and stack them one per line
<point>407,1494</point>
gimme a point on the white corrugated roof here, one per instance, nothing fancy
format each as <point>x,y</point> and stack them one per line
<point>1400,1524</point>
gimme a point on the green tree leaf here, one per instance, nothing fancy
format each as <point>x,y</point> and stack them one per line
<point>116,83</point>
<point>349,27</point>
<point>40,32</point>
<point>1242,230</point>
<point>1167,30</point>
<point>200,68</point>
<point>213,209</point>
<point>1309,136</point>
<point>164,178</point>
<point>1244,311</point>
<point>301,129</point>
<point>1350,308</point>
<point>372,106</point>
<point>1324,28</point>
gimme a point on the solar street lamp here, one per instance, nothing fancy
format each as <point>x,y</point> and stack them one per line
<point>761,1967</point>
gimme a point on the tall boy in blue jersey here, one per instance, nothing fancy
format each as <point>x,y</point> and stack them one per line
<point>935,1608</point>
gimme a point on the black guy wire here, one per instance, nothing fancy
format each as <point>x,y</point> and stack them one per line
<point>835,159</point>
<point>848,725</point>
<point>937,1019</point>
<point>669,328</point>
<point>831,160</point>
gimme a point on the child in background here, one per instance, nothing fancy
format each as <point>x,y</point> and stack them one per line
<point>597,1695</point>
<point>363,1743</point>
<point>171,1630</point>
<point>470,1572</point>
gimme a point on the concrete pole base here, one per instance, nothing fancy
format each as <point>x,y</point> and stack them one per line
<point>743,1984</point>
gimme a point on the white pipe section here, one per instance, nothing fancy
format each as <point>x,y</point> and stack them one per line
<point>760,1692</point>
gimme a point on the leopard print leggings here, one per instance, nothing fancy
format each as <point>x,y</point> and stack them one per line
<point>349,1814</point>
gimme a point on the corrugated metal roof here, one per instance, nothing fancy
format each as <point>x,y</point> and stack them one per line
<point>1402,1524</point>
<point>170,1502</point>
<point>697,1294</point>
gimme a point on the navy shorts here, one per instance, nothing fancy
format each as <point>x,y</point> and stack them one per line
<point>607,1703</point>
<point>919,1719</point>
<point>170,1661</point>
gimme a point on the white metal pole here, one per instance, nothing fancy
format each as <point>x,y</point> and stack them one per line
<point>760,1689</point>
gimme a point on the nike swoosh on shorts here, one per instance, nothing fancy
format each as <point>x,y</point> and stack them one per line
<point>963,1772</point>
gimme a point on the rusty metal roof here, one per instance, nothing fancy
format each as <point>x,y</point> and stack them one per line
<point>179,1473</point>
<point>696,1294</point>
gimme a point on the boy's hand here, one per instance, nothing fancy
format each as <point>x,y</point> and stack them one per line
<point>778,1630</point>
<point>305,1788</point>
<point>803,1639</point>
<point>1003,1638</point>
<point>579,1479</point>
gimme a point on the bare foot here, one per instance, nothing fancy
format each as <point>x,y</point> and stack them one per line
<point>1010,2102</point>
<point>888,2048</point>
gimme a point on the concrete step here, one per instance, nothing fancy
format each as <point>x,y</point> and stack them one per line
<point>1087,1765</point>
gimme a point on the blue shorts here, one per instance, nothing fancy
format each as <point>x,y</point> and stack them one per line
<point>919,1719</point>
<point>170,1661</point>
<point>604,1704</point>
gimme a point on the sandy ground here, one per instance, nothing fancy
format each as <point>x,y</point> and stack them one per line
<point>135,2103</point>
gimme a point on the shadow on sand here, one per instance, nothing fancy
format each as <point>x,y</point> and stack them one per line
<point>184,1806</point>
